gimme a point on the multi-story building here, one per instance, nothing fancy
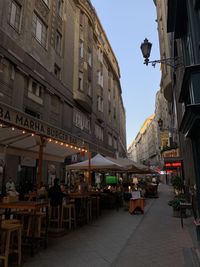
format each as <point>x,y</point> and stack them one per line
<point>171,154</point>
<point>59,87</point>
<point>183,19</point>
<point>131,153</point>
<point>143,149</point>
<point>168,106</point>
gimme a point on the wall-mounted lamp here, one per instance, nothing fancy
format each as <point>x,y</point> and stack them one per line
<point>169,129</point>
<point>146,51</point>
<point>160,123</point>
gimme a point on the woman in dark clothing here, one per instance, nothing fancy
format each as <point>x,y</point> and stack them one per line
<point>55,194</point>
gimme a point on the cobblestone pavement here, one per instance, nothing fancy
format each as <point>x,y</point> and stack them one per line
<point>119,239</point>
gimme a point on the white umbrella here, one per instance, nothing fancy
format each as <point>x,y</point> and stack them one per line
<point>131,166</point>
<point>98,162</point>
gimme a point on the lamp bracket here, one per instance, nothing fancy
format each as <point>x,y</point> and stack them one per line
<point>171,62</point>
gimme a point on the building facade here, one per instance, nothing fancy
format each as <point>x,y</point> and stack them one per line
<point>182,21</point>
<point>144,148</point>
<point>60,81</point>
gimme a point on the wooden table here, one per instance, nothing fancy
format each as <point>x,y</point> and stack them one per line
<point>136,204</point>
<point>32,207</point>
<point>81,200</point>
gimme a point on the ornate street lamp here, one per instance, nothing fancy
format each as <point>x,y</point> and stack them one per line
<point>146,51</point>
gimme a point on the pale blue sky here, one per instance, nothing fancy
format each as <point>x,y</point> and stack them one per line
<point>127,23</point>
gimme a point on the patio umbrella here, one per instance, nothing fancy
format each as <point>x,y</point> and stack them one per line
<point>98,162</point>
<point>131,166</point>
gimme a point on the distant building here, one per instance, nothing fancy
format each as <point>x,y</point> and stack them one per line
<point>143,148</point>
<point>132,151</point>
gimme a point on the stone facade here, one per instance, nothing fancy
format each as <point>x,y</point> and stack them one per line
<point>56,64</point>
<point>144,149</point>
<point>185,32</point>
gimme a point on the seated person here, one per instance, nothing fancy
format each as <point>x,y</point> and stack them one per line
<point>55,194</point>
<point>10,188</point>
<point>41,192</point>
<point>82,186</point>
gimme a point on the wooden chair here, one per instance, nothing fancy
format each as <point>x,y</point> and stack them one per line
<point>8,231</point>
<point>55,216</point>
<point>40,217</point>
<point>68,215</point>
<point>95,206</point>
<point>89,209</point>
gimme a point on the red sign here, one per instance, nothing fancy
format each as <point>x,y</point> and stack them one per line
<point>173,164</point>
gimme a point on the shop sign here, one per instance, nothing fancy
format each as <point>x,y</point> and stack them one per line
<point>171,153</point>
<point>164,139</point>
<point>24,121</point>
<point>173,164</point>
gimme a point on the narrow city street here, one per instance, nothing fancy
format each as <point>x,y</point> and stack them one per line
<point>120,239</point>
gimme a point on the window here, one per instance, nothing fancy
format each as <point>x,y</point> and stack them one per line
<point>81,49</point>
<point>46,2</point>
<point>35,91</point>
<point>193,96</point>
<point>114,88</point>
<point>15,15</point>
<point>57,71</point>
<point>58,42</point>
<point>100,78</point>
<point>115,143</point>
<point>80,81</point>
<point>109,95</point>
<point>100,55</point>
<point>54,101</point>
<point>59,7</point>
<point>189,55</point>
<point>81,18</point>
<point>81,121</point>
<point>39,30</point>
<point>98,132</point>
<point>114,114</point>
<point>89,58</point>
<point>109,139</point>
<point>89,88</point>
<point>100,103</point>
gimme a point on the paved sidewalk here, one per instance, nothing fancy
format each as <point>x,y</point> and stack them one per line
<point>159,239</point>
<point>120,239</point>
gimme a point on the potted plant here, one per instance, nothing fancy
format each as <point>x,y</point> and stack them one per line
<point>175,204</point>
<point>178,184</point>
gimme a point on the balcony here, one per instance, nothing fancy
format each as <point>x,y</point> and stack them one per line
<point>83,100</point>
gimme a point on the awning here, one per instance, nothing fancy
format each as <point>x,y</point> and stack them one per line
<point>22,134</point>
<point>18,142</point>
<point>98,162</point>
<point>132,166</point>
